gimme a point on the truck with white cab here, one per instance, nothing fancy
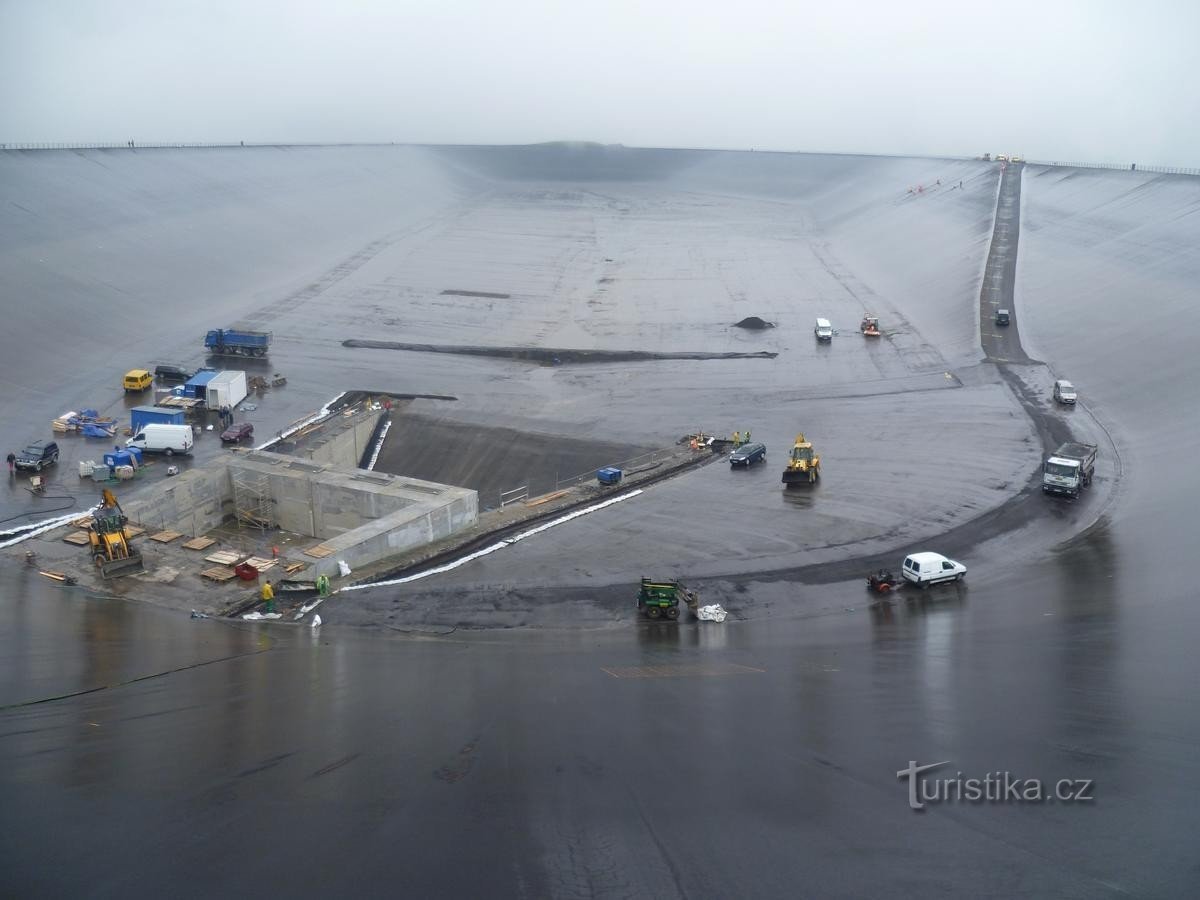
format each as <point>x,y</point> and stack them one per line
<point>1069,468</point>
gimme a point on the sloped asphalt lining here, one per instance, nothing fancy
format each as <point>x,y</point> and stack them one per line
<point>460,550</point>
<point>1002,349</point>
<point>549,355</point>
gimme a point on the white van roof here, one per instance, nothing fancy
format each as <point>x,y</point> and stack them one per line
<point>823,323</point>
<point>926,556</point>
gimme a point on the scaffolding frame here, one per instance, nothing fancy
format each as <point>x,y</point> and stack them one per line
<point>252,503</point>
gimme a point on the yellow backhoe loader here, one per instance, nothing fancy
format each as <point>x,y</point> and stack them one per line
<point>109,540</point>
<point>804,466</point>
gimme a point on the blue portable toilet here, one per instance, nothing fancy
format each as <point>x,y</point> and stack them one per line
<point>141,416</point>
<point>609,475</point>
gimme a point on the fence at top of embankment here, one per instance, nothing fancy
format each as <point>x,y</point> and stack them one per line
<point>1130,167</point>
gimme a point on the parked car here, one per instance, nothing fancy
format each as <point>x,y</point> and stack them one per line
<point>748,454</point>
<point>930,568</point>
<point>823,330</point>
<point>1002,317</point>
<point>1064,392</point>
<point>37,455</point>
<point>237,431</point>
<point>137,380</point>
<point>172,373</point>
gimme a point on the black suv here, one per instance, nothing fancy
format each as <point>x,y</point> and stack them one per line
<point>1002,317</point>
<point>172,373</point>
<point>37,455</point>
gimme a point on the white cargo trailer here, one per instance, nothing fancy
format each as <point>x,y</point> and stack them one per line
<point>225,389</point>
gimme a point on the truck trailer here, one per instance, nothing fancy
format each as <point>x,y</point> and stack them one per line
<point>1069,468</point>
<point>226,389</point>
<point>235,342</point>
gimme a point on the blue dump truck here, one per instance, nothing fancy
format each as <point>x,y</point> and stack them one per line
<point>233,342</point>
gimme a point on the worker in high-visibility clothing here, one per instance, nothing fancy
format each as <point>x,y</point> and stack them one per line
<point>268,596</point>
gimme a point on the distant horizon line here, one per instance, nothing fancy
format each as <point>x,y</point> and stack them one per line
<point>135,145</point>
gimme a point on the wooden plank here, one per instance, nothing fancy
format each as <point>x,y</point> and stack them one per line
<point>199,543</point>
<point>261,563</point>
<point>224,557</point>
<point>82,521</point>
<point>546,498</point>
<point>219,574</point>
<point>320,551</point>
<point>165,537</point>
<point>78,538</point>
<point>134,530</point>
<point>291,568</point>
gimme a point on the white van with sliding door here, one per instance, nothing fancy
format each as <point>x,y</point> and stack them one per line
<point>823,330</point>
<point>930,568</point>
<point>161,438</point>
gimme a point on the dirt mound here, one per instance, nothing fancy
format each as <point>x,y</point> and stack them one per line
<point>754,323</point>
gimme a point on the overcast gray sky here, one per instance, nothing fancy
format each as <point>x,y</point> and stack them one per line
<point>1049,79</point>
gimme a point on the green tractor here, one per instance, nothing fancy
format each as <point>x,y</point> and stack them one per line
<point>660,599</point>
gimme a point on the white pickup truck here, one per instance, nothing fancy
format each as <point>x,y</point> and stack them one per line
<point>1069,468</point>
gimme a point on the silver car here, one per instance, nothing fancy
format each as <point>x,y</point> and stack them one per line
<point>1064,392</point>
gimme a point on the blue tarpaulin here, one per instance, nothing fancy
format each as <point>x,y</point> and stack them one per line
<point>90,430</point>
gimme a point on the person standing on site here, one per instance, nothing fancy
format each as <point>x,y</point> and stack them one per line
<point>12,459</point>
<point>268,596</point>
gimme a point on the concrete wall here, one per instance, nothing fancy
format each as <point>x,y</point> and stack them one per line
<point>340,508</point>
<point>396,533</point>
<point>342,443</point>
<point>191,503</point>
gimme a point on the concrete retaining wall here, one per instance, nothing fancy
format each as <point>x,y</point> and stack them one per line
<point>191,503</point>
<point>395,533</point>
<point>346,446</point>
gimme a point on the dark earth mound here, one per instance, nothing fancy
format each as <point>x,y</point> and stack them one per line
<point>552,356</point>
<point>754,323</point>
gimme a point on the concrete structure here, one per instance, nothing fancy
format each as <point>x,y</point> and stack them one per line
<point>361,517</point>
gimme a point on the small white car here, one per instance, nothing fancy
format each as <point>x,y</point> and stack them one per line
<point>930,568</point>
<point>1064,392</point>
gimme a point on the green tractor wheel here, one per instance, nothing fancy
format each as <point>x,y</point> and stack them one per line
<point>653,612</point>
<point>672,612</point>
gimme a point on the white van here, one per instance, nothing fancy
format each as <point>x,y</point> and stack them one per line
<point>823,330</point>
<point>159,438</point>
<point>930,568</point>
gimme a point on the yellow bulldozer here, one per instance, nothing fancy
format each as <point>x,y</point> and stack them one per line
<point>109,540</point>
<point>804,466</point>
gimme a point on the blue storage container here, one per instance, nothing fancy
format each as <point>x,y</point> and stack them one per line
<point>194,386</point>
<point>141,416</point>
<point>609,475</point>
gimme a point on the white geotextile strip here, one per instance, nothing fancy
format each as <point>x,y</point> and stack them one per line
<point>41,527</point>
<point>316,417</point>
<point>492,548</point>
<point>387,426</point>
